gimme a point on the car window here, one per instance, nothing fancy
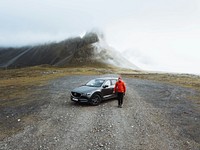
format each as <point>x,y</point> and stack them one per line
<point>113,82</point>
<point>107,83</point>
<point>95,82</point>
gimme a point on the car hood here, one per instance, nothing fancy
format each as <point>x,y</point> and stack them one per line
<point>85,89</point>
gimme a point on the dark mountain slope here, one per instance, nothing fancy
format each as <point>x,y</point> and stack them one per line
<point>58,54</point>
<point>85,51</point>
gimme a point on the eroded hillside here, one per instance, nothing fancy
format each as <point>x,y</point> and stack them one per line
<point>56,54</point>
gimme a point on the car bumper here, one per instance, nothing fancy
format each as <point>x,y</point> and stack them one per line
<point>80,99</point>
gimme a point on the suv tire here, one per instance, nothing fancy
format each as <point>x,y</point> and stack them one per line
<point>95,100</point>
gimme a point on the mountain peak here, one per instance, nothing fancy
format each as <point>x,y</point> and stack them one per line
<point>75,51</point>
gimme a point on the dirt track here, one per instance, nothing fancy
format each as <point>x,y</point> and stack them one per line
<point>154,116</point>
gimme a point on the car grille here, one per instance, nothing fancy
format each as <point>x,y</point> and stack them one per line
<point>76,94</point>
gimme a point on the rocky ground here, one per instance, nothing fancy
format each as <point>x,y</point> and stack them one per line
<point>154,116</point>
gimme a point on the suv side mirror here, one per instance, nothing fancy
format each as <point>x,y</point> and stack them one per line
<point>105,86</point>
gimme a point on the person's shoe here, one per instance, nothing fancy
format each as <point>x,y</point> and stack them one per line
<point>120,106</point>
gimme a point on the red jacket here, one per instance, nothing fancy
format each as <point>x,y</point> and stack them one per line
<point>120,87</point>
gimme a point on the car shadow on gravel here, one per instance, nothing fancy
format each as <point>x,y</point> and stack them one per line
<point>89,105</point>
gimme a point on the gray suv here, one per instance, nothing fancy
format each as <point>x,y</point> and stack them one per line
<point>95,91</point>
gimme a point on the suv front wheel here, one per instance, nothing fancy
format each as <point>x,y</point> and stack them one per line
<point>95,100</point>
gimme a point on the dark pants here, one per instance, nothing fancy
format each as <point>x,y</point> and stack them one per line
<point>120,97</point>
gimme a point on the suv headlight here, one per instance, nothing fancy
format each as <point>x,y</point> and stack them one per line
<point>86,94</point>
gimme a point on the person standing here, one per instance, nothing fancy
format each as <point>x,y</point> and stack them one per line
<point>120,89</point>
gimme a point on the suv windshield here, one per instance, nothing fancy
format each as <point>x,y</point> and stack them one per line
<point>95,83</point>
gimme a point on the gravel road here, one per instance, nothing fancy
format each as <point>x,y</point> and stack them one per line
<point>155,116</point>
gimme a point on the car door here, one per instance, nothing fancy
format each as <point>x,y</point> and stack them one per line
<point>107,89</point>
<point>113,81</point>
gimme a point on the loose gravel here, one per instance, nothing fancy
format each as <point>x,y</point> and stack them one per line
<point>155,116</point>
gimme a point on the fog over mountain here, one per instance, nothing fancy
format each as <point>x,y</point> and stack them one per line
<point>156,35</point>
<point>88,50</point>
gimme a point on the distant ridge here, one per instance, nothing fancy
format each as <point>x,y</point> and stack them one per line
<point>85,51</point>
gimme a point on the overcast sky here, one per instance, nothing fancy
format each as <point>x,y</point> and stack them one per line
<point>157,35</point>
